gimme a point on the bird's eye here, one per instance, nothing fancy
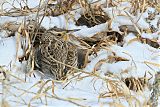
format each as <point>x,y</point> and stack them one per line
<point>59,34</point>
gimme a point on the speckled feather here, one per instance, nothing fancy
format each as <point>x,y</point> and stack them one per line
<point>53,48</point>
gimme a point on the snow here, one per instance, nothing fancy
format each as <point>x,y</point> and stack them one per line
<point>7,50</point>
<point>85,90</point>
<point>89,32</point>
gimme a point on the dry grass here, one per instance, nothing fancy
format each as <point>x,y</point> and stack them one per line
<point>115,87</point>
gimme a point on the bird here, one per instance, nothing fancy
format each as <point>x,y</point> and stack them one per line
<point>54,53</point>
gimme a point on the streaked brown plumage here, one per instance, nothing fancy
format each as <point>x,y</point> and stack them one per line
<point>52,52</point>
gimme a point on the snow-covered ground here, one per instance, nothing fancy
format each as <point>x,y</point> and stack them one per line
<point>86,89</point>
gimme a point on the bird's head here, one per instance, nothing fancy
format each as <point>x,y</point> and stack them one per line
<point>61,36</point>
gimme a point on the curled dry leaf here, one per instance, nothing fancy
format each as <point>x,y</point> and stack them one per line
<point>112,59</point>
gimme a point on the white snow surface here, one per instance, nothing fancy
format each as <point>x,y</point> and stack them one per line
<point>85,92</point>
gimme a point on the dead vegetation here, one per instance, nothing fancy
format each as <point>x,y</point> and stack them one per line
<point>32,31</point>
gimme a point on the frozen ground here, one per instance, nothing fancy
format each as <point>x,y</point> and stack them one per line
<point>142,60</point>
